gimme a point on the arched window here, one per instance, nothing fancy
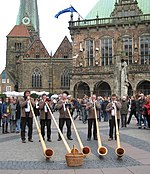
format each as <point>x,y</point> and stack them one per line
<point>90,52</point>
<point>145,49</point>
<point>127,46</point>
<point>36,79</point>
<point>65,79</point>
<point>106,51</point>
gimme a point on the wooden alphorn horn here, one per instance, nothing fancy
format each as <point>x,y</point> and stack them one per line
<point>85,149</point>
<point>102,151</point>
<point>62,137</point>
<point>48,153</point>
<point>119,150</point>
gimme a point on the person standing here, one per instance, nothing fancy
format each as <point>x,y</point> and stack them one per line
<point>5,115</point>
<point>139,109</point>
<point>64,117</point>
<point>45,117</point>
<point>18,115</point>
<point>133,110</point>
<point>26,116</point>
<point>1,112</point>
<point>146,111</point>
<point>91,117</point>
<point>110,108</point>
<point>103,107</point>
<point>13,115</point>
<point>84,111</point>
<point>124,111</point>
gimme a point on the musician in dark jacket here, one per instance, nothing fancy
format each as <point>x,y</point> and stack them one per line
<point>26,116</point>
<point>45,117</point>
<point>62,105</point>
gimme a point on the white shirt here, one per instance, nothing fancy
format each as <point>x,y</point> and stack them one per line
<point>27,109</point>
<point>45,108</point>
<point>113,110</point>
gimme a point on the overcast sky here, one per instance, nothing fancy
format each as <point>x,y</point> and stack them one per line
<point>52,30</point>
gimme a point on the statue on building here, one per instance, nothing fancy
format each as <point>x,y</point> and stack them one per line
<point>124,78</point>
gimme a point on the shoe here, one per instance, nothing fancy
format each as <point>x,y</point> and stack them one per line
<point>88,139</point>
<point>95,138</point>
<point>30,140</point>
<point>140,127</point>
<point>49,140</point>
<point>23,141</point>
<point>70,138</point>
<point>59,139</point>
<point>110,139</point>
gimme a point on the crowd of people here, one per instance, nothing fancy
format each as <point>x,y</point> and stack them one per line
<point>16,114</point>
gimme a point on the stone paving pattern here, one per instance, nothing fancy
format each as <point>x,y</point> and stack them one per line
<point>16,157</point>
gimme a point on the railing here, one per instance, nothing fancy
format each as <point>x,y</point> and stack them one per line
<point>110,21</point>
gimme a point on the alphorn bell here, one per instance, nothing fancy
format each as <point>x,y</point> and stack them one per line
<point>119,150</point>
<point>62,137</point>
<point>85,149</point>
<point>48,153</point>
<point>102,151</point>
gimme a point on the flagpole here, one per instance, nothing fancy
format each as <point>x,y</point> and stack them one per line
<point>77,12</point>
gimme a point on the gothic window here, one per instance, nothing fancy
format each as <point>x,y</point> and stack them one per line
<point>145,49</point>
<point>36,79</point>
<point>106,51</point>
<point>65,79</point>
<point>90,52</point>
<point>17,46</point>
<point>127,46</point>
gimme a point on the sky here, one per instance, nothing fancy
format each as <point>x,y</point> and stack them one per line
<point>52,30</point>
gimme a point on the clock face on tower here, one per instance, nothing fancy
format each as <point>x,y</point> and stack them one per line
<point>26,20</point>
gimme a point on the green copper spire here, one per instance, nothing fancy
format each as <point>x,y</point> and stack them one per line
<point>28,14</point>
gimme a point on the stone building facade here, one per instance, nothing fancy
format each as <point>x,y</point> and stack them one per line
<point>102,45</point>
<point>109,52</point>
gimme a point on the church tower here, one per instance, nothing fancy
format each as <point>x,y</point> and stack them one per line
<point>25,51</point>
<point>28,15</point>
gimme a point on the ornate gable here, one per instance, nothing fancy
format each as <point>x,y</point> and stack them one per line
<point>37,50</point>
<point>126,8</point>
<point>64,50</point>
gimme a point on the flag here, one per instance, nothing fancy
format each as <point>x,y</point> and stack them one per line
<point>70,9</point>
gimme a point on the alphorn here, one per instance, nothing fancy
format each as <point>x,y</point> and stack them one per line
<point>48,153</point>
<point>102,151</point>
<point>119,150</point>
<point>62,137</point>
<point>85,149</point>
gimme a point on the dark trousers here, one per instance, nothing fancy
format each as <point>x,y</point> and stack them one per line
<point>130,116</point>
<point>92,122</point>
<point>123,120</point>
<point>26,121</point>
<point>112,124</point>
<point>47,123</point>
<point>68,124</point>
<point>148,120</point>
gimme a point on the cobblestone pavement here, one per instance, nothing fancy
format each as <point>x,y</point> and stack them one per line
<point>16,157</point>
